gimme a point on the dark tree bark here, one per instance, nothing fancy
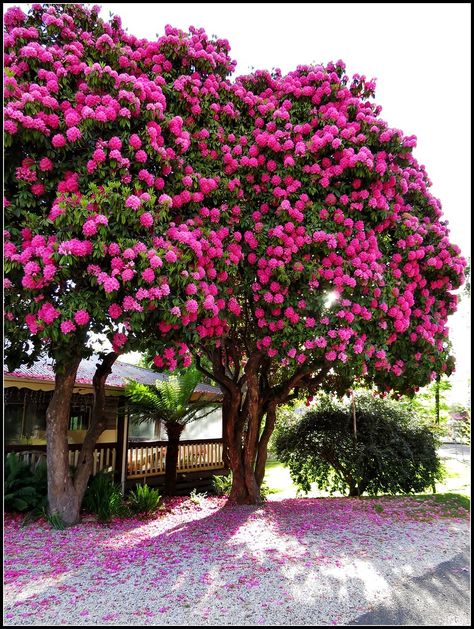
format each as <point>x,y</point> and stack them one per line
<point>249,412</point>
<point>173,430</point>
<point>263,443</point>
<point>65,492</point>
<point>62,498</point>
<point>97,425</point>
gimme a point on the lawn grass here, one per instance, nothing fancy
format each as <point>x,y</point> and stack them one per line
<point>454,505</point>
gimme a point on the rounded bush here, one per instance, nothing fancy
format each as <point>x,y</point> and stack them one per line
<point>388,452</point>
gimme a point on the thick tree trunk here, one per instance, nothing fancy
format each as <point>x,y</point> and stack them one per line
<point>62,497</point>
<point>243,434</point>
<point>65,493</point>
<point>173,431</point>
<point>247,399</point>
<point>97,425</point>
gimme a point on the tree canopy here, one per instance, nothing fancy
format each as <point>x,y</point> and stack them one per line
<point>274,225</point>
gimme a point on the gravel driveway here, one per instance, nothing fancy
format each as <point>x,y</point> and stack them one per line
<point>289,562</point>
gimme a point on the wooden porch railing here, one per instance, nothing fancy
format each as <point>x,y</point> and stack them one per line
<point>143,459</point>
<point>149,458</point>
<point>105,455</point>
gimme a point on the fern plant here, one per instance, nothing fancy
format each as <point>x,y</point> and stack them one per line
<point>103,497</point>
<point>170,401</point>
<point>24,489</point>
<point>144,500</point>
<point>222,484</point>
<point>197,498</point>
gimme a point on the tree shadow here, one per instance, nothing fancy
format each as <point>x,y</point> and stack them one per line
<point>301,561</point>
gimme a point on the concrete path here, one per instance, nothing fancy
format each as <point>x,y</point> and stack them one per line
<point>438,598</point>
<point>458,451</point>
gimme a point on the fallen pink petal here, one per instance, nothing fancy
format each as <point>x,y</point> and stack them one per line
<point>290,561</point>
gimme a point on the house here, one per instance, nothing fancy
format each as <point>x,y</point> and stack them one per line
<point>132,450</point>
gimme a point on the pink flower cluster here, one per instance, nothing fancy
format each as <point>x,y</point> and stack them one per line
<point>284,201</point>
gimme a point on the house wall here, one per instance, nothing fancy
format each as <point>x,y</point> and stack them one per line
<point>210,427</point>
<point>27,408</point>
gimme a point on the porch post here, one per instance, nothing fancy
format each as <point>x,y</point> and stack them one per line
<point>122,443</point>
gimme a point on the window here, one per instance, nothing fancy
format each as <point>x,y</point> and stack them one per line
<point>25,414</point>
<point>80,417</point>
<point>13,421</point>
<point>36,405</point>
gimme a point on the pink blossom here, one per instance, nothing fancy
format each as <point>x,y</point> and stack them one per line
<point>191,306</point>
<point>164,199</point>
<point>58,140</point>
<point>115,311</point>
<point>170,256</point>
<point>133,202</point>
<point>67,326</point>
<point>141,156</point>
<point>73,134</point>
<point>118,341</point>
<point>100,219</point>
<point>127,275</point>
<point>135,141</point>
<point>115,143</point>
<point>110,285</point>
<point>99,155</point>
<point>37,189</point>
<point>146,219</point>
<point>82,317</point>
<point>45,164</point>
<point>89,228</point>
<point>148,275</point>
<point>48,313</point>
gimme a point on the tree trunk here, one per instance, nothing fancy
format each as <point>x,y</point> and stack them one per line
<point>62,497</point>
<point>65,493</point>
<point>243,435</point>
<point>173,430</point>
<point>263,443</point>
<point>97,425</point>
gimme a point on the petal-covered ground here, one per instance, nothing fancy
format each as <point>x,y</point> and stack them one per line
<point>288,562</point>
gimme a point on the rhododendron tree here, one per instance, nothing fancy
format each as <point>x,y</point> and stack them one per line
<point>345,268</point>
<point>92,134</point>
<point>273,226</point>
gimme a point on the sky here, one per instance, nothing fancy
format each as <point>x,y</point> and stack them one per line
<point>419,54</point>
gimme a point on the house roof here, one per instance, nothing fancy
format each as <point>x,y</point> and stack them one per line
<point>42,370</point>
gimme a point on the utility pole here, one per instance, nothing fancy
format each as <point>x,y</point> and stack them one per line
<point>437,387</point>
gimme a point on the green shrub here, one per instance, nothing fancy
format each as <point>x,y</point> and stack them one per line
<point>222,486</point>
<point>144,500</point>
<point>103,497</point>
<point>24,489</point>
<point>391,452</point>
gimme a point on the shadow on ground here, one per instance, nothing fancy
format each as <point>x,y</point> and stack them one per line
<point>438,598</point>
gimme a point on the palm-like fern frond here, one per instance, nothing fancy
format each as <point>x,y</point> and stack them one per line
<point>170,400</point>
